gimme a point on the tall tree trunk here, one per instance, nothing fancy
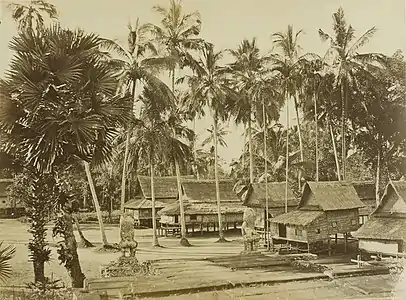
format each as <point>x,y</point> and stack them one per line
<point>96,204</point>
<point>317,136</point>
<point>287,155</point>
<point>221,234</point>
<point>183,241</point>
<point>126,151</point>
<point>243,152</point>
<point>299,131</point>
<point>334,149</point>
<point>84,242</point>
<point>195,150</point>
<point>343,127</point>
<point>72,264</point>
<point>250,149</point>
<point>378,172</point>
<point>266,177</point>
<point>155,242</point>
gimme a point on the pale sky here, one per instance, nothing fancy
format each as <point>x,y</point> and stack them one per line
<point>227,22</point>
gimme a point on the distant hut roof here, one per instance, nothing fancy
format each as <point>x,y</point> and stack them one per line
<point>165,187</point>
<point>297,217</point>
<point>366,193</point>
<point>201,208</point>
<point>200,198</point>
<point>276,195</point>
<point>397,187</point>
<point>383,229</point>
<point>330,195</point>
<point>143,204</point>
<point>205,190</point>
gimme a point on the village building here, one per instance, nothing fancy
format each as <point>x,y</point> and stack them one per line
<point>325,209</point>
<point>277,201</point>
<point>385,231</point>
<point>166,192</point>
<point>8,207</point>
<point>366,193</point>
<point>200,206</point>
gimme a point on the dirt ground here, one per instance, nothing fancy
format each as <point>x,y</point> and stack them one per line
<point>15,233</point>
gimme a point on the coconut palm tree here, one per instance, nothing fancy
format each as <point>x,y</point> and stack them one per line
<point>29,15</point>
<point>178,34</point>
<point>247,66</point>
<point>138,64</point>
<point>209,87</point>
<point>58,103</point>
<point>346,61</point>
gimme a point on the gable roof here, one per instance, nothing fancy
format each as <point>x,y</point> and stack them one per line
<point>331,195</point>
<point>383,229</point>
<point>205,190</point>
<point>276,195</point>
<point>397,187</point>
<point>297,217</point>
<point>165,187</point>
<point>365,189</point>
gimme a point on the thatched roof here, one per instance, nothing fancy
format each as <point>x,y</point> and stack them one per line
<point>201,208</point>
<point>365,189</point>
<point>383,228</point>
<point>387,203</point>
<point>165,187</point>
<point>205,190</point>
<point>143,204</point>
<point>276,195</point>
<point>297,217</point>
<point>330,195</point>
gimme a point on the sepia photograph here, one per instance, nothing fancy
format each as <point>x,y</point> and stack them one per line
<point>202,149</point>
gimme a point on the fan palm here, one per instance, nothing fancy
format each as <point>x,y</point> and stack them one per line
<point>59,103</point>
<point>6,254</point>
<point>209,87</point>
<point>140,63</point>
<point>29,16</point>
<point>346,62</point>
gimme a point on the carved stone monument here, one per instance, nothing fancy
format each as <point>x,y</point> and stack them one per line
<point>249,234</point>
<point>127,242</point>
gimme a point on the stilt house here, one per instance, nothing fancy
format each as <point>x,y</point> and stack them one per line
<point>385,231</point>
<point>366,193</point>
<point>325,209</point>
<point>200,205</point>
<point>166,192</point>
<point>255,198</point>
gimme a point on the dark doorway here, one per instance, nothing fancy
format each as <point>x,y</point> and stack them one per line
<point>282,230</point>
<point>176,219</point>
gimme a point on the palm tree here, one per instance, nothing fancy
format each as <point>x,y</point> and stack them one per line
<point>289,63</point>
<point>6,254</point>
<point>154,137</point>
<point>346,62</point>
<point>140,63</point>
<point>247,66</point>
<point>177,34</point>
<point>208,86</point>
<point>29,16</point>
<point>59,103</point>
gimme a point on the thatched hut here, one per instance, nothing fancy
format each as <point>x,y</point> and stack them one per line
<point>325,209</point>
<point>8,207</point>
<point>199,197</point>
<point>166,192</point>
<point>366,193</point>
<point>385,230</point>
<point>256,199</point>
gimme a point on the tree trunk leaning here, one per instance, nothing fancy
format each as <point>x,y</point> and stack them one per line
<point>155,242</point>
<point>335,151</point>
<point>96,204</point>
<point>250,150</point>
<point>299,131</point>
<point>84,243</point>
<point>378,173</point>
<point>287,157</point>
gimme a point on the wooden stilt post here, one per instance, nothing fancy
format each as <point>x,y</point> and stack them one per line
<point>345,242</point>
<point>214,227</point>
<point>336,238</point>
<point>201,228</point>
<point>235,225</point>
<point>207,227</point>
<point>193,228</point>
<point>329,246</point>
